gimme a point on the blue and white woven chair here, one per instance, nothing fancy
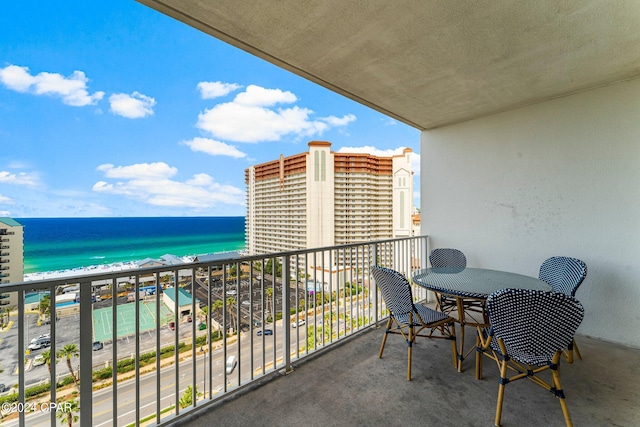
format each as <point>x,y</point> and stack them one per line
<point>447,258</point>
<point>564,275</point>
<point>528,334</point>
<point>408,319</point>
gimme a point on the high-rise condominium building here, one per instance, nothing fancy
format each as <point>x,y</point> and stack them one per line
<point>323,198</point>
<point>11,258</point>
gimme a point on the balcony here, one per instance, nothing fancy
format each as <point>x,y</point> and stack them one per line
<point>164,346</point>
<point>326,372</point>
<point>349,385</point>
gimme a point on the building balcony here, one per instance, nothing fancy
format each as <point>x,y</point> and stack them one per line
<point>325,371</point>
<point>350,385</point>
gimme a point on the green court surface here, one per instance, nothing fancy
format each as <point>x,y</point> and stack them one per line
<point>126,315</point>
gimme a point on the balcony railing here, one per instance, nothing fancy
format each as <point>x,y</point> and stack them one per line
<point>259,313</point>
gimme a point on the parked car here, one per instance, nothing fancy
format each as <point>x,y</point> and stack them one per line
<point>266,332</point>
<point>40,343</point>
<point>97,346</point>
<point>38,360</point>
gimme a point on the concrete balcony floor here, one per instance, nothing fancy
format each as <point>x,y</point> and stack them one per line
<point>349,386</point>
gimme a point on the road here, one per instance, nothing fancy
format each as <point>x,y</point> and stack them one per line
<point>103,399</point>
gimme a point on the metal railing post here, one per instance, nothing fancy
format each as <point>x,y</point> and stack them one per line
<point>374,288</point>
<point>286,316</point>
<point>86,339</point>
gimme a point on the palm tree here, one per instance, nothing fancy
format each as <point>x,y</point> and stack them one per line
<point>217,306</point>
<point>231,303</point>
<point>269,292</point>
<point>69,351</point>
<point>205,311</point>
<point>45,305</point>
<point>46,355</point>
<point>69,411</point>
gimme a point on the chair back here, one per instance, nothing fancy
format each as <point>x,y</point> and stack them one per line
<point>535,323</point>
<point>563,274</point>
<point>395,289</point>
<point>447,257</point>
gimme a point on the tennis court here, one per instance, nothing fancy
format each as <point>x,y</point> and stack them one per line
<point>126,315</point>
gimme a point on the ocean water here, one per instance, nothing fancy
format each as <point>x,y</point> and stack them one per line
<point>60,243</point>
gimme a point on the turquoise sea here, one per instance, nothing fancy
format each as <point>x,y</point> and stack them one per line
<point>61,243</point>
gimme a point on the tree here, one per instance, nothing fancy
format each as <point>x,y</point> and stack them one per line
<point>269,292</point>
<point>205,311</point>
<point>45,305</point>
<point>232,272</point>
<point>217,306</point>
<point>46,355</point>
<point>68,412</point>
<point>231,303</point>
<point>69,351</point>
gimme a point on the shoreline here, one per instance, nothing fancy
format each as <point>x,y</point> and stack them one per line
<point>105,268</point>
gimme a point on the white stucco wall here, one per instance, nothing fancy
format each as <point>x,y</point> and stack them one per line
<point>560,177</point>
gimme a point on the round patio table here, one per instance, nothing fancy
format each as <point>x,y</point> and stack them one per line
<point>470,287</point>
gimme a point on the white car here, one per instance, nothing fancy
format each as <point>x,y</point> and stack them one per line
<point>300,323</point>
<point>40,343</point>
<point>38,360</point>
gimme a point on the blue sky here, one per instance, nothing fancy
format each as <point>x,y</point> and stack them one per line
<point>113,109</point>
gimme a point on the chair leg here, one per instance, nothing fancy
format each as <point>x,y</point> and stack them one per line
<point>575,347</point>
<point>555,374</point>
<point>410,346</point>
<point>454,345</point>
<point>503,381</point>
<point>384,338</point>
<point>479,356</point>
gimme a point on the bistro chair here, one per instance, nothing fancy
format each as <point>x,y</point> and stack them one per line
<point>407,318</point>
<point>528,334</point>
<point>564,275</point>
<point>446,258</point>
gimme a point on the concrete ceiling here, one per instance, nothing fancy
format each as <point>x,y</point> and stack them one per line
<point>432,63</point>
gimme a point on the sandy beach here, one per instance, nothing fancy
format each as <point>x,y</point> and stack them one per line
<point>92,269</point>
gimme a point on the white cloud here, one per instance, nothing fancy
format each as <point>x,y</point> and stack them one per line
<point>210,90</point>
<point>262,97</point>
<point>414,157</point>
<point>5,213</point>
<point>5,200</point>
<point>253,117</point>
<point>22,178</point>
<point>214,148</point>
<point>142,184</point>
<point>339,121</point>
<point>72,89</point>
<point>134,106</point>
<point>159,170</point>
